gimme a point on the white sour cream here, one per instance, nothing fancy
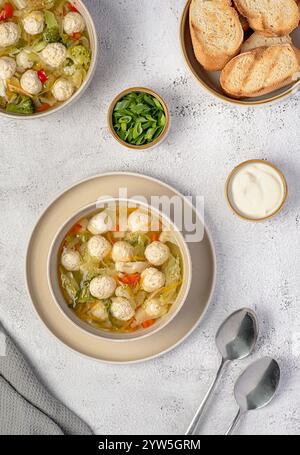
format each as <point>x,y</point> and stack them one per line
<point>256,190</point>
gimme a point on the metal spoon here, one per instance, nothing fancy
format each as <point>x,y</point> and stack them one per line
<point>256,387</point>
<point>235,340</point>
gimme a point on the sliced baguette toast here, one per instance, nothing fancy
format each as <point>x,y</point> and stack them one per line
<point>216,32</point>
<point>260,71</point>
<point>270,18</point>
<point>258,40</point>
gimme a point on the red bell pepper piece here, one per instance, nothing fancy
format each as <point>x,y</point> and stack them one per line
<point>72,8</point>
<point>75,229</point>
<point>42,76</point>
<point>7,12</point>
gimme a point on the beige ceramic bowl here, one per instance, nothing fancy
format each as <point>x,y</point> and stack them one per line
<point>159,139</point>
<point>94,48</point>
<point>57,294</point>
<point>210,80</point>
<point>228,193</point>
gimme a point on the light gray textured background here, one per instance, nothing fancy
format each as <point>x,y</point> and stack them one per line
<point>259,264</point>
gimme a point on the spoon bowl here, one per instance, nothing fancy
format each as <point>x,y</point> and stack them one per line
<point>256,387</point>
<point>237,336</point>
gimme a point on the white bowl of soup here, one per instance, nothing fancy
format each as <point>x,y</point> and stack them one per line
<point>48,54</point>
<point>119,270</point>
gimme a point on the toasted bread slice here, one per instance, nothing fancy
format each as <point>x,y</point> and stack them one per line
<point>260,71</point>
<point>258,40</point>
<point>216,32</point>
<point>275,18</point>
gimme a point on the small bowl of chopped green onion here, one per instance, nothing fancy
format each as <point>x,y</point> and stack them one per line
<point>139,118</point>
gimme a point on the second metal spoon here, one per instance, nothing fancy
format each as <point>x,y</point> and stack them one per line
<point>235,339</point>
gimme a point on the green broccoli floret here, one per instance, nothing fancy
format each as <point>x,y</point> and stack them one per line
<point>51,33</point>
<point>80,55</point>
<point>21,105</point>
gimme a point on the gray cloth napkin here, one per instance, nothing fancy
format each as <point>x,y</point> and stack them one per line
<point>26,407</point>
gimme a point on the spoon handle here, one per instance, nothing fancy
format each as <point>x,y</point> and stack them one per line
<point>234,423</point>
<point>190,431</point>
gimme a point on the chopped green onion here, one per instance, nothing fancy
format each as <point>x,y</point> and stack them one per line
<point>139,118</point>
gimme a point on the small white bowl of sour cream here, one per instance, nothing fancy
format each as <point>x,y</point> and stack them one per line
<point>256,190</point>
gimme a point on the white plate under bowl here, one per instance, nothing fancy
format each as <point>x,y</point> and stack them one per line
<point>80,195</point>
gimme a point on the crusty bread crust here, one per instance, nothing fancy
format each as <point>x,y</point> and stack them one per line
<point>260,71</point>
<point>245,23</point>
<point>216,32</point>
<point>258,40</point>
<point>280,19</point>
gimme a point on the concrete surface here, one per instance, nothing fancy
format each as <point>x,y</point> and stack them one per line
<point>259,264</point>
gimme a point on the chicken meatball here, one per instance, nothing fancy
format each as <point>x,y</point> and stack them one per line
<point>138,221</point>
<point>121,309</point>
<point>99,311</point>
<point>122,252</point>
<point>71,260</point>
<point>7,67</point>
<point>152,279</point>
<point>153,308</point>
<point>73,23</point>
<point>54,54</point>
<point>9,34</point>
<point>30,82</point>
<point>34,23</point>
<point>157,253</point>
<point>98,247</point>
<point>62,89</point>
<point>23,60</point>
<point>100,223</point>
<point>102,287</point>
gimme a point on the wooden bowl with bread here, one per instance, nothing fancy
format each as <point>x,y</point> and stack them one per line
<point>244,52</point>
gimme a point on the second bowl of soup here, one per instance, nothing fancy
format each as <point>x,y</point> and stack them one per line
<point>48,52</point>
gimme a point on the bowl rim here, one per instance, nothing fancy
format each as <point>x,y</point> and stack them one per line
<point>149,91</point>
<point>146,332</point>
<point>222,97</point>
<point>240,166</point>
<point>93,38</point>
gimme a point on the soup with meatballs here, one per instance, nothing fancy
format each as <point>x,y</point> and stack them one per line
<point>119,279</point>
<point>44,54</point>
